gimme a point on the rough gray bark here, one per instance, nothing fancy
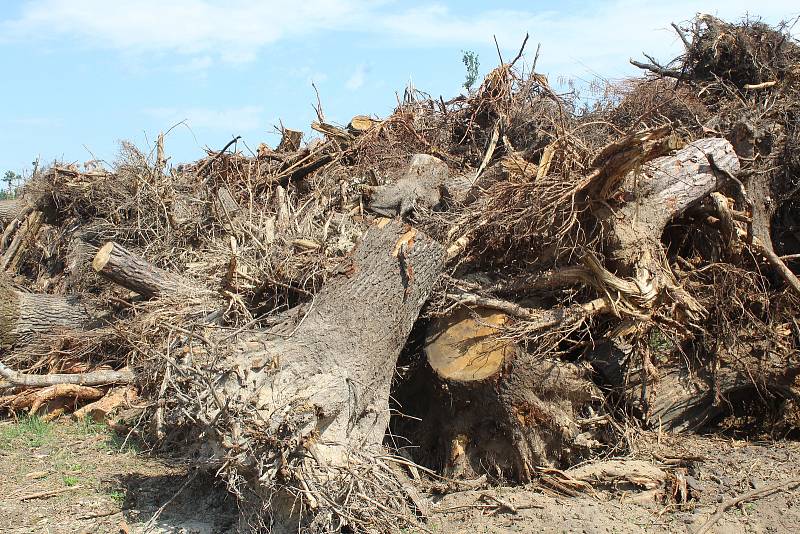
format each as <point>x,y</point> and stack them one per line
<point>26,316</point>
<point>116,263</point>
<point>419,187</point>
<point>670,396</point>
<point>10,210</point>
<point>342,356</point>
<point>306,398</point>
<point>662,190</point>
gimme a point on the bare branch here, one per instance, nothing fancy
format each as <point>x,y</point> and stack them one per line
<point>95,378</point>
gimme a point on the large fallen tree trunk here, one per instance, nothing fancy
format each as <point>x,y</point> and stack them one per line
<point>11,209</point>
<point>24,317</point>
<point>294,415</point>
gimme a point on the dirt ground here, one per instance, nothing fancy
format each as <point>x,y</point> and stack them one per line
<point>75,477</point>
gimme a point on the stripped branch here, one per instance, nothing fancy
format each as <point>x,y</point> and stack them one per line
<point>95,378</point>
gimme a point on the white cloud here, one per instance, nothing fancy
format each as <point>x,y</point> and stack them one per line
<point>357,79</point>
<point>235,31</point>
<point>233,120</point>
<point>197,64</point>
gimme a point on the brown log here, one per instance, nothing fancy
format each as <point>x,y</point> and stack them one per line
<point>116,263</point>
<point>94,378</point>
<point>26,316</point>
<point>361,123</point>
<point>290,140</point>
<point>99,410</point>
<point>11,209</point>
<point>72,391</point>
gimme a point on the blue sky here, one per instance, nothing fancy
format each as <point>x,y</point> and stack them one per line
<point>80,75</point>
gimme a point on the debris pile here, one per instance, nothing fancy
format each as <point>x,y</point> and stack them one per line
<point>490,288</point>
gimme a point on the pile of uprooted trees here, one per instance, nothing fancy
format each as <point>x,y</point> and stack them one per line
<point>484,287</point>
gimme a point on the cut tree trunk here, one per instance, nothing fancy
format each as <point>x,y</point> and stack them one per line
<point>24,317</point>
<point>11,209</point>
<point>314,397</point>
<point>660,191</point>
<point>490,407</point>
<point>673,394</point>
<point>116,263</point>
<point>290,141</point>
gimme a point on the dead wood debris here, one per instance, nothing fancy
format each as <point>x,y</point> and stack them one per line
<point>638,251</point>
<point>758,493</point>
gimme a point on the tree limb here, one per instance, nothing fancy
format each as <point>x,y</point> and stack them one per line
<point>95,378</point>
<point>658,69</point>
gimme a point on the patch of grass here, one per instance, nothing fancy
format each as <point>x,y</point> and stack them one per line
<point>28,431</point>
<point>117,496</point>
<point>70,480</point>
<point>74,467</point>
<point>90,427</point>
<point>120,443</point>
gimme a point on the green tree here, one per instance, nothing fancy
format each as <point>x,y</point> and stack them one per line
<point>470,60</point>
<point>10,182</point>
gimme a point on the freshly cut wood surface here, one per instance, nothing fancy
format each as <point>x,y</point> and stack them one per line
<point>465,346</point>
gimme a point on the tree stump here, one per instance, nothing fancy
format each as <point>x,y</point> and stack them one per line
<point>11,209</point>
<point>488,407</point>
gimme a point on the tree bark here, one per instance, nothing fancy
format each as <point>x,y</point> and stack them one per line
<point>674,394</point>
<point>662,190</point>
<point>321,385</point>
<point>94,378</point>
<point>26,316</point>
<point>11,209</point>
<point>116,263</point>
